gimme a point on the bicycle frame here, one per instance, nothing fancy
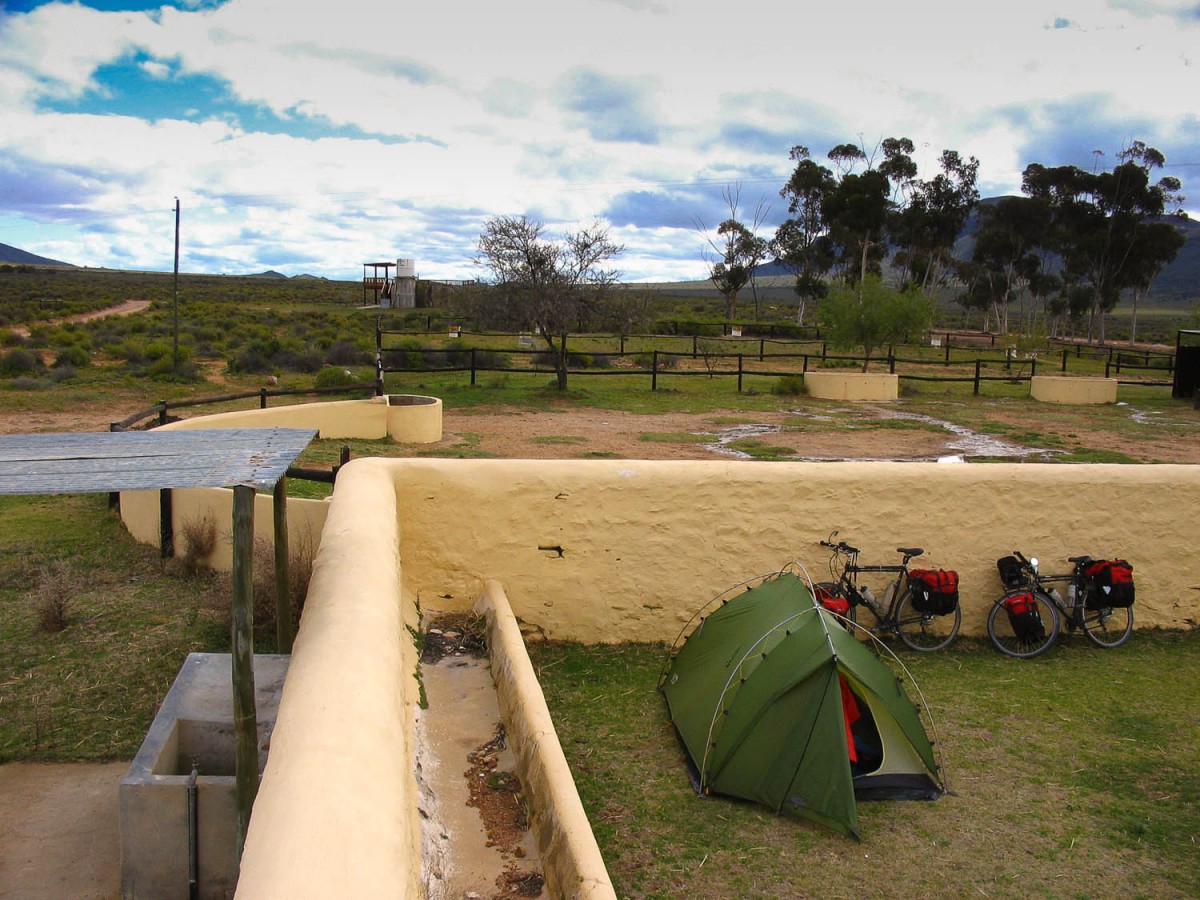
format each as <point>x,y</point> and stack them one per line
<point>895,615</point>
<point>1106,627</point>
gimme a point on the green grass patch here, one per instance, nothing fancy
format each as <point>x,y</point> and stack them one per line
<point>756,449</point>
<point>1069,772</point>
<point>559,439</point>
<point>90,690</point>
<point>674,437</point>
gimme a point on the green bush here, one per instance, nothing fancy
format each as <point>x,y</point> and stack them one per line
<point>789,385</point>
<point>75,356</point>
<point>18,361</point>
<point>336,376</point>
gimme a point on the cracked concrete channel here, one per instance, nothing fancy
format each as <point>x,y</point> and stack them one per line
<point>476,842</point>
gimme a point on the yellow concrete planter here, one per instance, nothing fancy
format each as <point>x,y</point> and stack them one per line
<point>852,385</point>
<point>1066,389</point>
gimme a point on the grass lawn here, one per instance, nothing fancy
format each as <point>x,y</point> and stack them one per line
<point>1072,776</point>
<point>89,690</point>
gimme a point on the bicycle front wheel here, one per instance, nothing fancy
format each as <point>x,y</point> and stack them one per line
<point>1023,623</point>
<point>1108,627</point>
<point>922,631</point>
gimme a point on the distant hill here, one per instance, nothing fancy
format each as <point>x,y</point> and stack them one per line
<point>18,257</point>
<point>270,273</point>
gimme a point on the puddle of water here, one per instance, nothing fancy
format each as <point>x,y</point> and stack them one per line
<point>968,443</point>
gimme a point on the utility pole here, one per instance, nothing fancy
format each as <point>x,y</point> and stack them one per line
<point>175,304</point>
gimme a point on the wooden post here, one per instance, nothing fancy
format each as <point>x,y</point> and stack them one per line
<point>166,524</point>
<point>245,715</point>
<point>284,628</point>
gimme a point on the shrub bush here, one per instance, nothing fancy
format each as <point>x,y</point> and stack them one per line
<point>789,385</point>
<point>76,356</point>
<point>18,361</point>
<point>336,376</point>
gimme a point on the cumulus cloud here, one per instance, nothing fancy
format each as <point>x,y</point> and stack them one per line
<point>299,138</point>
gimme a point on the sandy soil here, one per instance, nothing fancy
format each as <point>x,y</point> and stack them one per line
<point>59,835</point>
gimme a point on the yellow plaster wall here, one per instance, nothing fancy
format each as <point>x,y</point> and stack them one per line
<point>366,419</point>
<point>336,815</point>
<point>615,550</point>
<point>404,417</point>
<point>1065,389</point>
<point>140,513</point>
<point>852,385</point>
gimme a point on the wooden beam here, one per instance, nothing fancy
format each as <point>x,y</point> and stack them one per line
<point>284,628</point>
<point>245,715</point>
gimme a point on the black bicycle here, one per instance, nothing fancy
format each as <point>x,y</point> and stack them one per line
<point>1027,619</point>
<point>920,606</point>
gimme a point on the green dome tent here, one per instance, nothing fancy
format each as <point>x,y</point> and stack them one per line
<point>776,702</point>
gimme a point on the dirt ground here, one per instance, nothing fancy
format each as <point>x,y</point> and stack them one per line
<point>59,834</point>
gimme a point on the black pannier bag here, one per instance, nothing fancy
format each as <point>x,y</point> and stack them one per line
<point>1110,584</point>
<point>1024,617</point>
<point>934,591</point>
<point>1011,572</point>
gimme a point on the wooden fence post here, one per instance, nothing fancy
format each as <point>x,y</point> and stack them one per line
<point>245,715</point>
<point>978,367</point>
<point>284,629</point>
<point>654,370</point>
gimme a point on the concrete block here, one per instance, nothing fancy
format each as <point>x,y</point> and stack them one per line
<point>194,725</point>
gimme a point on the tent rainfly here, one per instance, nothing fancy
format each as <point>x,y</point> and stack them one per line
<point>776,702</point>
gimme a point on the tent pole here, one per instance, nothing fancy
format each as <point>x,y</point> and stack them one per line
<point>284,630</point>
<point>245,719</point>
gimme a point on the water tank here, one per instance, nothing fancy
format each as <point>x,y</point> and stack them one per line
<point>406,268</point>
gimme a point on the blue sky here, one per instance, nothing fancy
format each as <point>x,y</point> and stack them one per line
<point>311,137</point>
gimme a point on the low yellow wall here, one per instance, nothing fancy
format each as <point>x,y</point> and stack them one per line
<point>852,385</point>
<point>617,550</point>
<point>570,858</point>
<point>1065,389</point>
<point>407,418</point>
<point>404,417</point>
<point>336,815</point>
<point>140,513</point>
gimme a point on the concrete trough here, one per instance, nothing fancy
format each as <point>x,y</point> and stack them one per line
<point>194,726</point>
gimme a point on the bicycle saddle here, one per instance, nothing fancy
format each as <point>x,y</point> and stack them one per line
<point>910,551</point>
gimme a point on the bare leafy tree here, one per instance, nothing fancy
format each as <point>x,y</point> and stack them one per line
<point>548,285</point>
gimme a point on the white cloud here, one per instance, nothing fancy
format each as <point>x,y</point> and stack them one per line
<point>559,108</point>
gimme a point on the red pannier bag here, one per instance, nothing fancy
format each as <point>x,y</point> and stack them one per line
<point>934,591</point>
<point>828,597</point>
<point>1110,584</point>
<point>1024,617</point>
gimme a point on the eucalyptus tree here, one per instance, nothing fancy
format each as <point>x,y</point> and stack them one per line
<point>1099,222</point>
<point>735,251</point>
<point>802,242</point>
<point>1156,244</point>
<point>548,285</point>
<point>927,228</point>
<point>1007,256</point>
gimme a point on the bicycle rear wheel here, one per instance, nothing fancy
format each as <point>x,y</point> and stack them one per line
<point>1108,627</point>
<point>1023,633</point>
<point>922,631</point>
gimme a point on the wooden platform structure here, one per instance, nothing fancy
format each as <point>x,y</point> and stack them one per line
<point>245,459</point>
